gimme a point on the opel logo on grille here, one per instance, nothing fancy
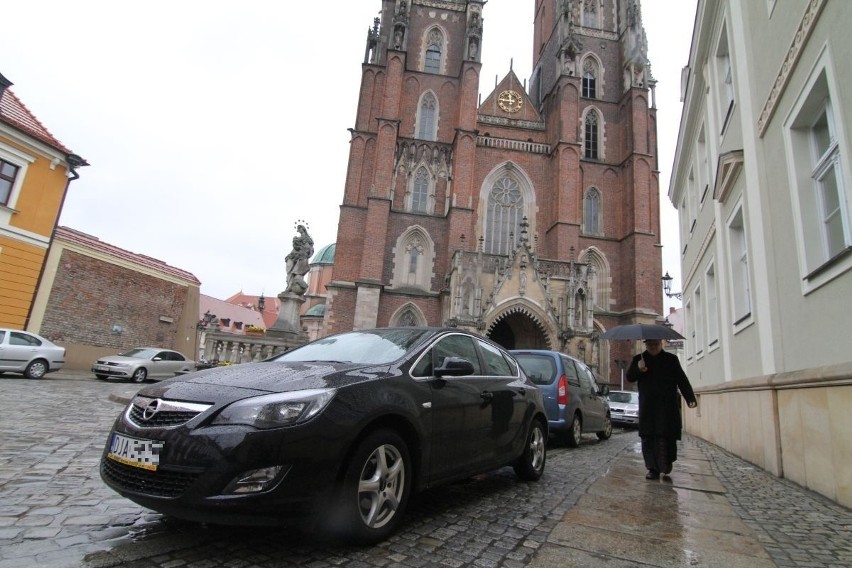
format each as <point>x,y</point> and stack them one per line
<point>151,409</point>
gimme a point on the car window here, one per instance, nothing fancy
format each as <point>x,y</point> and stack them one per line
<point>175,356</point>
<point>587,382</point>
<point>624,397</point>
<point>513,366</point>
<point>138,353</point>
<point>457,346</point>
<point>2,336</point>
<point>570,371</point>
<point>17,338</point>
<point>541,369</point>
<point>495,364</point>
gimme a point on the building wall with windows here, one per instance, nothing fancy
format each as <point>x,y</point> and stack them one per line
<point>763,182</point>
<point>35,169</point>
<point>531,214</point>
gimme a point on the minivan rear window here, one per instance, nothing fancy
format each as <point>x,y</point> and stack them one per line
<point>541,369</point>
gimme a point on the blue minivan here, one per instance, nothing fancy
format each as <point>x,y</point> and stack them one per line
<point>574,402</point>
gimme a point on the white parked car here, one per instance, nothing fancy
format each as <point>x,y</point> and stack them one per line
<point>624,406</point>
<point>143,363</point>
<point>29,354</point>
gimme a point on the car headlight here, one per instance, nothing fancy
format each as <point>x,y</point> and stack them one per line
<point>276,410</point>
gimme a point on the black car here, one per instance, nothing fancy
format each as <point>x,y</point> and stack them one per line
<point>338,432</point>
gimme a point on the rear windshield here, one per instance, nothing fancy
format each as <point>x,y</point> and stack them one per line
<point>541,369</point>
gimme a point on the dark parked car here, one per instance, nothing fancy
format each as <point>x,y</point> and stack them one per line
<point>574,402</point>
<point>624,406</point>
<point>338,432</point>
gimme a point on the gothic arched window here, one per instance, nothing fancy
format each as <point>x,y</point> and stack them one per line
<point>420,191</point>
<point>434,48</point>
<point>505,212</point>
<point>426,123</point>
<point>591,137</point>
<point>590,73</point>
<point>592,212</point>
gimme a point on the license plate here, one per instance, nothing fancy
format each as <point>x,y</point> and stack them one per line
<point>101,367</point>
<point>135,452</point>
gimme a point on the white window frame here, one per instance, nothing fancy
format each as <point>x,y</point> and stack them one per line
<point>22,161</point>
<point>698,325</point>
<point>739,270</point>
<point>724,73</point>
<point>711,302</point>
<point>818,97</point>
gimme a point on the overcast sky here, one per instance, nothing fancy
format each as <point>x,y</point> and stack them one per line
<point>212,127</point>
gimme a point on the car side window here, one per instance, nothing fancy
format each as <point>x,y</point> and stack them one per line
<point>587,382</point>
<point>2,336</point>
<point>451,346</point>
<point>16,338</point>
<point>495,364</point>
<point>163,355</point>
<point>570,371</point>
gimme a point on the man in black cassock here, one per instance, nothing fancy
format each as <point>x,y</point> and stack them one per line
<point>661,383</point>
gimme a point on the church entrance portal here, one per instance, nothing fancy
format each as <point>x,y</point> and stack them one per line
<point>518,331</point>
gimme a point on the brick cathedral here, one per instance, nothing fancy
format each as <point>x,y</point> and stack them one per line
<point>530,216</point>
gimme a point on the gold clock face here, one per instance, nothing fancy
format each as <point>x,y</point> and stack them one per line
<point>510,101</point>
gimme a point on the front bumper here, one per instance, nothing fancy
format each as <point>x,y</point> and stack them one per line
<point>197,463</point>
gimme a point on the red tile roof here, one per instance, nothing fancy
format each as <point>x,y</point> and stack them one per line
<point>70,235</point>
<point>224,310</point>
<point>14,113</point>
<point>270,307</point>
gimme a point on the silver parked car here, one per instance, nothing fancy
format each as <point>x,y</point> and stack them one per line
<point>143,363</point>
<point>29,354</point>
<point>624,406</point>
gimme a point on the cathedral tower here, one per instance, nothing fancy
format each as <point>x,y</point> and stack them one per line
<point>531,216</point>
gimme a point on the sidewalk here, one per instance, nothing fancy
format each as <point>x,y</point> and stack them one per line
<point>716,510</point>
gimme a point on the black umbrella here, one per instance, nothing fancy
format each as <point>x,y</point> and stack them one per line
<point>641,331</point>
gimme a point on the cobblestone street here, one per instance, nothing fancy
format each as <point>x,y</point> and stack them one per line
<point>56,512</point>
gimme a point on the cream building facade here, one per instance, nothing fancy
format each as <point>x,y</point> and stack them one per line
<point>762,179</point>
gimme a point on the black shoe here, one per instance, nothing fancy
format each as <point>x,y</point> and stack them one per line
<point>668,469</point>
<point>652,474</point>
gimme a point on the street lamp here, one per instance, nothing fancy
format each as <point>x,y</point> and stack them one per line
<point>622,364</point>
<point>667,287</point>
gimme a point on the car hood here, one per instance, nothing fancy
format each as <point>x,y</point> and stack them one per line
<point>625,406</point>
<point>272,376</point>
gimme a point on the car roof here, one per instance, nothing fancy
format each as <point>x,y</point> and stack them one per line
<point>550,352</point>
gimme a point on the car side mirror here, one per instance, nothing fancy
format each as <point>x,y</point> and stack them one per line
<point>454,367</point>
<point>157,359</point>
<point>603,390</point>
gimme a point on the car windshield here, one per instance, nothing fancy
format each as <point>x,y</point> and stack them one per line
<point>140,353</point>
<point>624,397</point>
<point>368,347</point>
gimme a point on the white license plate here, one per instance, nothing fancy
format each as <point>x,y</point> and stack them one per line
<point>134,452</point>
<point>101,367</point>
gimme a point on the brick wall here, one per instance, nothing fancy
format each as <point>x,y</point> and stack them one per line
<point>90,296</point>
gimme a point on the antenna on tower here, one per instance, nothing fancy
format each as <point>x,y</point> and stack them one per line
<point>511,61</point>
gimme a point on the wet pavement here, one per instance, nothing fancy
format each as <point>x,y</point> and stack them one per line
<point>592,508</point>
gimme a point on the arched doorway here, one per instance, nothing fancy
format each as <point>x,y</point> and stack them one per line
<point>518,331</point>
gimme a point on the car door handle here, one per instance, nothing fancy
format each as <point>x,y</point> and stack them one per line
<point>485,395</point>
<point>521,392</point>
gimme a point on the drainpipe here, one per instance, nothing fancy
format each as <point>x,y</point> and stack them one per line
<point>74,161</point>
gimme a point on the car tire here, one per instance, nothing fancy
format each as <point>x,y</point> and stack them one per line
<point>139,375</point>
<point>607,431</point>
<point>575,431</point>
<point>530,466</point>
<point>375,490</point>
<point>36,369</point>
